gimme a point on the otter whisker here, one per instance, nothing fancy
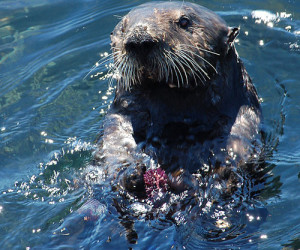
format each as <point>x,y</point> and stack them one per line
<point>170,64</point>
<point>169,70</point>
<point>122,68</point>
<point>133,76</point>
<point>103,60</point>
<point>176,69</point>
<point>202,58</point>
<point>180,64</point>
<point>201,49</point>
<point>166,68</point>
<point>118,17</point>
<point>110,74</point>
<point>130,76</point>
<point>195,68</point>
<point>163,68</point>
<point>118,61</point>
<point>196,65</point>
<point>114,73</point>
<point>109,57</point>
<point>186,62</point>
<point>121,64</point>
<point>172,67</point>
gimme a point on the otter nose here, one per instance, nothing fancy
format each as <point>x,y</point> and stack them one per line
<point>140,43</point>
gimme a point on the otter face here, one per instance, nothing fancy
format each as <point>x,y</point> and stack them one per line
<point>171,43</point>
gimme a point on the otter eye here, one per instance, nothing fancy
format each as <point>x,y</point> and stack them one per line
<point>184,22</point>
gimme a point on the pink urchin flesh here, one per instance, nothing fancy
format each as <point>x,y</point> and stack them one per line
<point>156,181</point>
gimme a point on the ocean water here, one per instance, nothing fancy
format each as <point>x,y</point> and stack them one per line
<point>51,114</point>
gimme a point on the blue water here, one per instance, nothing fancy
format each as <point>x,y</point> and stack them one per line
<point>50,118</point>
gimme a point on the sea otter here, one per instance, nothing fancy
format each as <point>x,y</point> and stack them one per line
<point>184,105</point>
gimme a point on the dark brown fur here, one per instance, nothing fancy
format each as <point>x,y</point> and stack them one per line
<point>185,119</point>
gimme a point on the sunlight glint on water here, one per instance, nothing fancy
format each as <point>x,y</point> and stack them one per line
<point>50,118</point>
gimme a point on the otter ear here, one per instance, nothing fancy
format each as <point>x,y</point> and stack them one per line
<point>232,34</point>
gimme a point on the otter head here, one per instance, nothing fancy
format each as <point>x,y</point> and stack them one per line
<point>171,43</point>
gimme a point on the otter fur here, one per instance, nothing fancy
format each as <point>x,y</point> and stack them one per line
<point>184,102</point>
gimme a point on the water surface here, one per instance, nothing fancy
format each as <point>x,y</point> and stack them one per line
<point>50,117</point>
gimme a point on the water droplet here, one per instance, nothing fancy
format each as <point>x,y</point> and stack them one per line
<point>264,236</point>
<point>43,133</point>
<point>289,27</point>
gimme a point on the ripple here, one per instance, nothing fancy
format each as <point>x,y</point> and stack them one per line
<point>49,114</point>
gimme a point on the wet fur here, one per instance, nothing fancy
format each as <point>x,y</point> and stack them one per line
<point>205,122</point>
